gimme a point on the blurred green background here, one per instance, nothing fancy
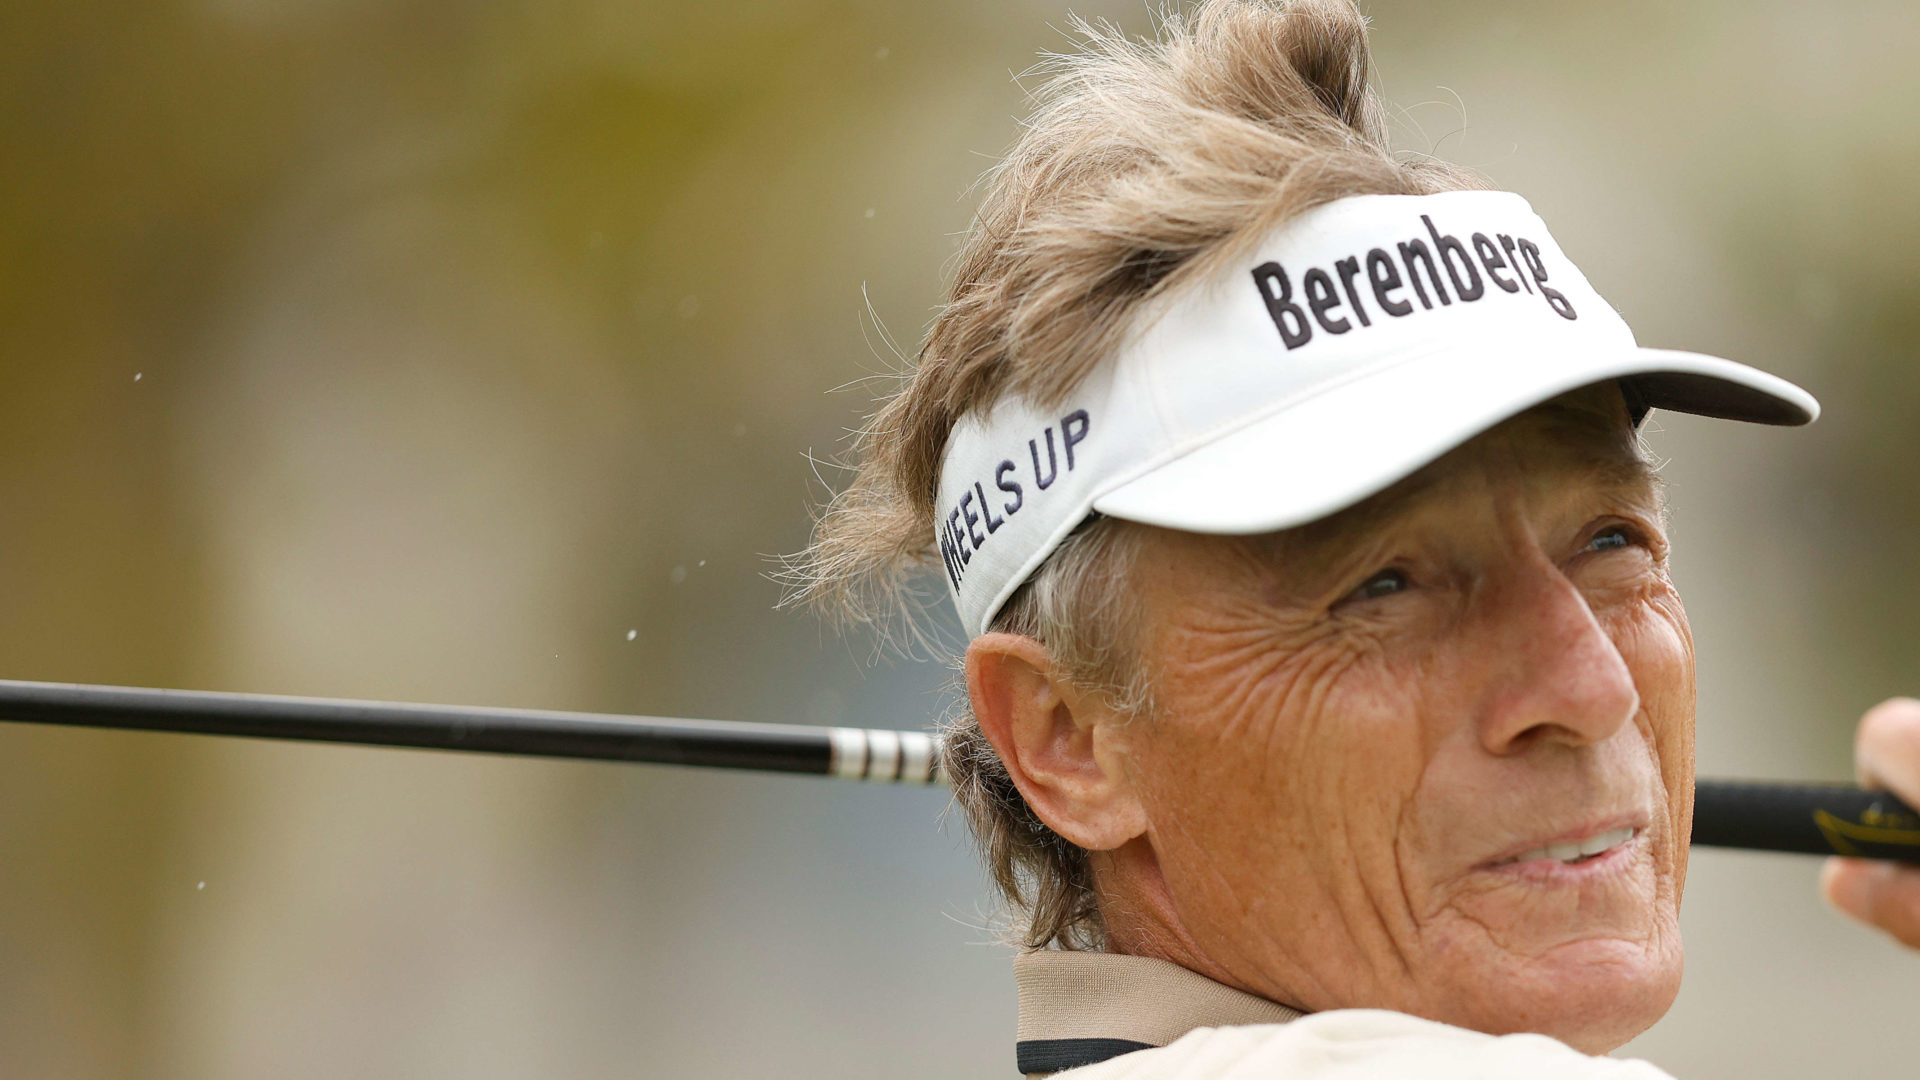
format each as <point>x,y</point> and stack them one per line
<point>473,352</point>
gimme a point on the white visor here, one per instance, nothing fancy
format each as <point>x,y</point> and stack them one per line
<point>1357,343</point>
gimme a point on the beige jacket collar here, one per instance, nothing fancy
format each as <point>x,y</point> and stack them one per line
<point>1079,1008</point>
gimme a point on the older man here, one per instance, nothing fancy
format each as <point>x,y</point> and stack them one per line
<point>1331,705</point>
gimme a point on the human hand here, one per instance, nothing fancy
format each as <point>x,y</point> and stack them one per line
<point>1884,894</point>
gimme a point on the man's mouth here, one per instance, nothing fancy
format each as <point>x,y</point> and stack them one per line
<point>1575,851</point>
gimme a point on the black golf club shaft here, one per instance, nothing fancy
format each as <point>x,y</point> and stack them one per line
<point>1821,819</point>
<point>853,753</point>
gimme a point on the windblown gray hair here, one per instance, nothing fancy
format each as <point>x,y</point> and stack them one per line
<point>1142,163</point>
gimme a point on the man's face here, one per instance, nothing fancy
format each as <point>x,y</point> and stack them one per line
<point>1434,754</point>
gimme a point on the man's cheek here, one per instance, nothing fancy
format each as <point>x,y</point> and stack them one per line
<point>1366,754</point>
<point>1663,667</point>
<point>1309,758</point>
<point>1245,691</point>
<point>1657,644</point>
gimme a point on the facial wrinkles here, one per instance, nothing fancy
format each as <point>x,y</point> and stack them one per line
<point>1624,764</point>
<point>1525,623</point>
<point>1330,700</point>
<point>1303,782</point>
<point>1660,652</point>
<point>1373,710</point>
<point>1264,675</point>
<point>1218,672</point>
<point>1239,660</point>
<point>1452,572</point>
<point>1218,656</point>
<point>1480,899</point>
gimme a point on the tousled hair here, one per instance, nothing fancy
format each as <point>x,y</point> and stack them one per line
<point>1143,163</point>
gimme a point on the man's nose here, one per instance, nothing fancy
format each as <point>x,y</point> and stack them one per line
<point>1556,676</point>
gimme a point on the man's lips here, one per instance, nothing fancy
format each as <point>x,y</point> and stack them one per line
<point>1589,842</point>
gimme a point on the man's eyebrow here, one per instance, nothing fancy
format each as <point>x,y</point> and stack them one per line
<point>1624,464</point>
<point>1631,472</point>
<point>1625,473</point>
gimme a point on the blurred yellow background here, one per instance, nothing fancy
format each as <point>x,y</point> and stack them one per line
<point>435,350</point>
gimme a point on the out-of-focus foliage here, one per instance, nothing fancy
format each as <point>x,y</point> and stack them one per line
<point>474,351</point>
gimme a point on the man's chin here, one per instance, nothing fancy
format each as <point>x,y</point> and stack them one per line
<point>1593,994</point>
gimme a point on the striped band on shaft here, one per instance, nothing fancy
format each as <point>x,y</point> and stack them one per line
<point>919,758</point>
<point>888,757</point>
<point>849,753</point>
<point>883,755</point>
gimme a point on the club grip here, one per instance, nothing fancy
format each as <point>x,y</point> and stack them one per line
<point>1821,819</point>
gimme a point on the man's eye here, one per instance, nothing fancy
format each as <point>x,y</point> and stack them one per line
<point>1384,583</point>
<point>1608,539</point>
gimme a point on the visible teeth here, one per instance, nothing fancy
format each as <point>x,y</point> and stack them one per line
<point>1592,845</point>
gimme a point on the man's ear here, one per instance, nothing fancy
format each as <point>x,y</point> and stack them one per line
<point>1060,744</point>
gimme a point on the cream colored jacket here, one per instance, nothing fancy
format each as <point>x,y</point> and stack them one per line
<point>1097,1016</point>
